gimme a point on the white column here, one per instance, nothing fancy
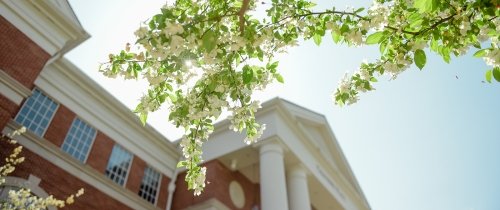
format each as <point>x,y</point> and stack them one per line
<point>273,194</point>
<point>298,192</point>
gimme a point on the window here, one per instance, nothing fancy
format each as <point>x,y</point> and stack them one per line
<point>149,185</point>
<point>37,112</point>
<point>118,165</point>
<point>79,140</point>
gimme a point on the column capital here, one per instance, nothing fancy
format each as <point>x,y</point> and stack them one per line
<point>271,147</point>
<point>297,170</point>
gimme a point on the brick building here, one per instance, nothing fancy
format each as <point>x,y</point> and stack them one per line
<point>81,136</point>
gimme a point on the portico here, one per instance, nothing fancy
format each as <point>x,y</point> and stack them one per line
<point>297,164</point>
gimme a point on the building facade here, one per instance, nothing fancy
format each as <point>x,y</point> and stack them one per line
<point>80,136</point>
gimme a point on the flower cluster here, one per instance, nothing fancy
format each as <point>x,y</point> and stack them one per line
<point>202,58</point>
<point>404,30</point>
<point>22,198</point>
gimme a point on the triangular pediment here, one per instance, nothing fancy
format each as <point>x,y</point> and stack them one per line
<point>317,131</point>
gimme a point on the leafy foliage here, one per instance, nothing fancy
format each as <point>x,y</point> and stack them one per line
<point>206,57</point>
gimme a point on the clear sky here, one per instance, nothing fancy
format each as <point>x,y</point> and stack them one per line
<point>429,140</point>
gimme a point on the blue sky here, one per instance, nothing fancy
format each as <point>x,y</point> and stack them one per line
<point>426,140</point>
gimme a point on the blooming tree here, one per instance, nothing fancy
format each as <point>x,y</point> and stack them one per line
<point>206,57</point>
<point>22,198</point>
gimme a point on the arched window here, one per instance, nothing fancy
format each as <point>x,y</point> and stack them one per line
<point>16,183</point>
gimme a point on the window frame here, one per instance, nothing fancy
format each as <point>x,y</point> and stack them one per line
<point>128,168</point>
<point>50,119</point>
<point>90,145</point>
<point>158,185</point>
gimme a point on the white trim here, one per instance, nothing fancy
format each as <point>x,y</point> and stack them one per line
<point>45,24</point>
<point>128,169</point>
<point>158,187</point>
<point>28,184</point>
<point>87,174</point>
<point>75,90</point>
<point>210,204</point>
<point>12,89</point>
<point>93,140</point>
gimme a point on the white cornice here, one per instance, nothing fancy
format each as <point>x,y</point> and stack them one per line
<point>66,84</point>
<point>53,154</point>
<point>12,89</point>
<point>46,23</point>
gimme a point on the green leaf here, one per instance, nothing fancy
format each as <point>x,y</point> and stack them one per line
<point>344,28</point>
<point>416,23</point>
<point>336,37</point>
<point>480,53</point>
<point>279,78</point>
<point>488,75</point>
<point>420,58</point>
<point>359,10</point>
<point>434,45</point>
<point>143,117</point>
<point>208,41</point>
<point>496,74</point>
<point>373,79</point>
<point>426,5</point>
<point>181,164</point>
<point>247,74</point>
<point>172,97</point>
<point>382,47</point>
<point>317,39</point>
<point>272,66</point>
<point>375,38</point>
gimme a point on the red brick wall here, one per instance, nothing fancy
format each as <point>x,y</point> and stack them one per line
<point>163,196</point>
<point>59,126</point>
<point>8,110</point>
<point>20,57</point>
<point>100,152</point>
<point>58,182</point>
<point>135,175</point>
<point>218,177</point>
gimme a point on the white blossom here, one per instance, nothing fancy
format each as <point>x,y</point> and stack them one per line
<point>173,29</point>
<point>141,32</point>
<point>492,57</point>
<point>345,84</point>
<point>355,37</point>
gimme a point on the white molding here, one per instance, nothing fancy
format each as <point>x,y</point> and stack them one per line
<point>45,23</point>
<point>128,169</point>
<point>28,184</point>
<point>87,174</point>
<point>210,204</point>
<point>12,89</point>
<point>66,84</point>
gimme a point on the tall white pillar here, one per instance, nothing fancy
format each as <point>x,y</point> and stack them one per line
<point>298,191</point>
<point>273,194</point>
